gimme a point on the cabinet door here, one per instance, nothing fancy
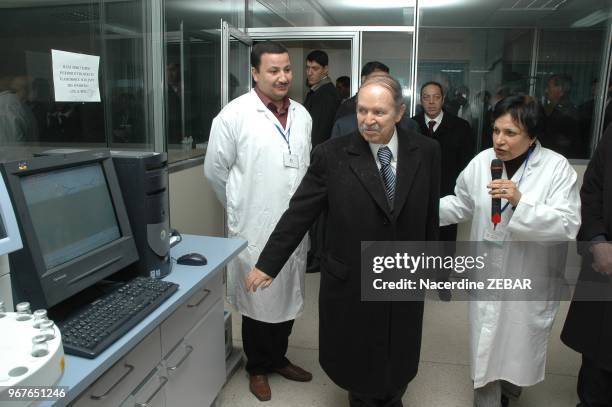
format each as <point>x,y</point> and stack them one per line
<point>196,368</point>
<point>149,393</point>
<point>176,326</point>
<point>121,379</point>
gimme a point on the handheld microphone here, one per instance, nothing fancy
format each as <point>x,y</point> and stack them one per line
<point>497,168</point>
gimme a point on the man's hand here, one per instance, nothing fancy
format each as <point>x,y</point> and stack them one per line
<point>257,278</point>
<point>602,257</point>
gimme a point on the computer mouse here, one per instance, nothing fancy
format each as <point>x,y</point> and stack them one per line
<point>192,259</point>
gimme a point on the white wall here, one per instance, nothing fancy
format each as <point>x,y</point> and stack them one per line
<point>194,208</point>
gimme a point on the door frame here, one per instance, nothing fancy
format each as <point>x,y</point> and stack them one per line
<point>351,33</point>
<point>228,33</point>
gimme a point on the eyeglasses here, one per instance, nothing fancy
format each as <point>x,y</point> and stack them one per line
<point>435,98</point>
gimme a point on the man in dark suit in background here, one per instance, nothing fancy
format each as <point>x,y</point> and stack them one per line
<point>380,183</point>
<point>322,100</point>
<point>346,116</point>
<point>588,327</point>
<point>343,85</point>
<point>457,149</point>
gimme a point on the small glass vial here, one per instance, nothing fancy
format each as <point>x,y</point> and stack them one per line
<point>23,308</point>
<point>39,346</point>
<point>40,315</point>
<point>47,329</point>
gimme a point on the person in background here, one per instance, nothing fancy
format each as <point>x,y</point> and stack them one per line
<point>588,326</point>
<point>322,100</point>
<point>539,196</point>
<point>562,126</point>
<point>258,152</point>
<point>457,147</point>
<point>343,85</point>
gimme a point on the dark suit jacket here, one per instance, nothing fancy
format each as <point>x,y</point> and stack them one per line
<point>365,347</point>
<point>349,106</point>
<point>322,105</point>
<point>588,327</point>
<point>562,132</point>
<point>457,149</point>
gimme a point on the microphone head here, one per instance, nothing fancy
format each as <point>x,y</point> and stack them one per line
<point>497,168</point>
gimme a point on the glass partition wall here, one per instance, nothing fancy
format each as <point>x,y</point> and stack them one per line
<point>555,51</point>
<point>31,120</point>
<point>160,68</point>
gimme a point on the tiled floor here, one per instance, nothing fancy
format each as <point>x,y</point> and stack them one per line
<point>443,379</point>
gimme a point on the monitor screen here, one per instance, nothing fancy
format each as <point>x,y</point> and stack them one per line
<point>71,212</point>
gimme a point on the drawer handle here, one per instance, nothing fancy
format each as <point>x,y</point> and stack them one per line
<point>129,370</point>
<point>197,304</point>
<point>163,381</point>
<point>188,350</point>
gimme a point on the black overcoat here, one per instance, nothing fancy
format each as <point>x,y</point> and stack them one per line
<point>457,150</point>
<point>588,327</point>
<point>365,347</point>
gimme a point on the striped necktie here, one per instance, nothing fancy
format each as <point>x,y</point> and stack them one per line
<point>388,176</point>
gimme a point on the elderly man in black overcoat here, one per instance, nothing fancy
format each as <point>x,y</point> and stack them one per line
<point>588,327</point>
<point>379,184</point>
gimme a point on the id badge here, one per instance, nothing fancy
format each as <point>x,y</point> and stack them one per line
<point>494,236</point>
<point>291,160</point>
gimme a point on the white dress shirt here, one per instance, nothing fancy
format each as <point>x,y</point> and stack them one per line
<point>392,146</point>
<point>437,119</point>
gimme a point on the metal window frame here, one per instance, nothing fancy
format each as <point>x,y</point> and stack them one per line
<point>229,32</point>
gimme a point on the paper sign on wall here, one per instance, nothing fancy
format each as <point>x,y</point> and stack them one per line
<point>75,77</point>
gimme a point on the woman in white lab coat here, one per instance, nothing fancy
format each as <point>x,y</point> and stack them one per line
<point>540,203</point>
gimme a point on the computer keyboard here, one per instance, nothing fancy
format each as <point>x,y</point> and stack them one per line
<point>99,324</point>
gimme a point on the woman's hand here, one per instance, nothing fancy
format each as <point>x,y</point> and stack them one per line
<point>505,189</point>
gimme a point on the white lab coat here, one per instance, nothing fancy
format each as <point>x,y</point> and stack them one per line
<point>245,166</point>
<point>509,338</point>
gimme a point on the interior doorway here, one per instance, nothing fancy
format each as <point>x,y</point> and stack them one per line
<point>338,51</point>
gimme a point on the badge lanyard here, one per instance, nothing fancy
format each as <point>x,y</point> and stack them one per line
<point>285,137</point>
<point>520,179</point>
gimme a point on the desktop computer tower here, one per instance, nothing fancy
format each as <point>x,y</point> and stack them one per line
<point>143,177</point>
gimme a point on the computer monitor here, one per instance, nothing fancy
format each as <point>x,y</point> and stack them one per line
<point>73,223</point>
<point>10,240</point>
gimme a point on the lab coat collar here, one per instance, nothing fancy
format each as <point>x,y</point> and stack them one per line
<point>259,105</point>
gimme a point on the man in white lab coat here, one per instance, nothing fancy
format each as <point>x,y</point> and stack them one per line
<point>540,204</point>
<point>258,152</point>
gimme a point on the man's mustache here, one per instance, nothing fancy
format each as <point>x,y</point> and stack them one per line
<point>373,127</point>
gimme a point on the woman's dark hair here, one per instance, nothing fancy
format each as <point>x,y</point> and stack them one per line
<point>266,47</point>
<point>524,110</point>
